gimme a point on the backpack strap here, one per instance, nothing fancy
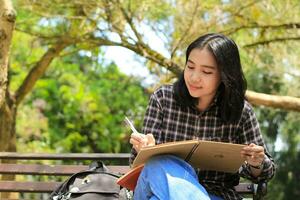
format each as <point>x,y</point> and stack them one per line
<point>98,166</point>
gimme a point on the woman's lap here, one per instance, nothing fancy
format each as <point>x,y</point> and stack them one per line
<point>169,177</point>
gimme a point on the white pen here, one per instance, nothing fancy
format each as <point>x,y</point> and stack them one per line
<point>130,124</point>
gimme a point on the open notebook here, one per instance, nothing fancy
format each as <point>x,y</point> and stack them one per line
<point>205,155</point>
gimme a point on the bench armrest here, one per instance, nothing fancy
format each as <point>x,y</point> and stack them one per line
<point>260,191</point>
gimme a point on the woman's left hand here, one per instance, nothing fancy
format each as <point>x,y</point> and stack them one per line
<point>253,154</point>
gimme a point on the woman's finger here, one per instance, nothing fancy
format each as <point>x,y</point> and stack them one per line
<point>137,136</point>
<point>133,141</point>
<point>151,140</point>
<point>253,148</point>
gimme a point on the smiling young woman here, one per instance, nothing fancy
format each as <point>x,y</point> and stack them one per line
<point>207,103</point>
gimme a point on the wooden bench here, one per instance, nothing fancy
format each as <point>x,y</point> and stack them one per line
<point>28,164</point>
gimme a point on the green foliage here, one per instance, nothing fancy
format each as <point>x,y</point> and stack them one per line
<point>26,52</point>
<point>161,11</point>
<point>85,104</point>
<point>286,182</point>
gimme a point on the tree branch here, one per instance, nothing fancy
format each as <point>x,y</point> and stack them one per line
<point>146,52</point>
<point>186,32</point>
<point>161,60</point>
<point>38,70</point>
<point>130,22</point>
<point>258,26</point>
<point>282,102</point>
<point>264,42</point>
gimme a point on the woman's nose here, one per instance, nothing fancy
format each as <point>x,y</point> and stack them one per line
<point>195,77</point>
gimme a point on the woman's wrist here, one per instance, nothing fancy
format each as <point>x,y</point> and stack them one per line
<point>256,167</point>
<point>260,166</point>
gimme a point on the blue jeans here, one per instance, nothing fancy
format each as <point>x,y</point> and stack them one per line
<point>168,177</point>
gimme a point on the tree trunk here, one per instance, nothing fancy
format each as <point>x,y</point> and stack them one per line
<point>7,105</point>
<point>7,126</point>
<point>8,136</point>
<point>7,23</point>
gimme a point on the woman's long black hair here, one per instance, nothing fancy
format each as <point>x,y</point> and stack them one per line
<point>231,92</point>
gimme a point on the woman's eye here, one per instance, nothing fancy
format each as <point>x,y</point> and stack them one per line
<point>190,67</point>
<point>206,72</point>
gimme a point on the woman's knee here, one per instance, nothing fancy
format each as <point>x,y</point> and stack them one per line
<point>164,159</point>
<point>169,164</point>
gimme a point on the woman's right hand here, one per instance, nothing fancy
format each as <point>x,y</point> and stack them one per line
<point>139,140</point>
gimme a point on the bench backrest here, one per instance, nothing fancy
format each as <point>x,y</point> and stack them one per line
<point>26,164</point>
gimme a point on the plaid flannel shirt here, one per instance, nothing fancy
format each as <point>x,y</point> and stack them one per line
<point>168,121</point>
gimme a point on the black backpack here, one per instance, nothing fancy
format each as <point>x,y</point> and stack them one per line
<point>95,183</point>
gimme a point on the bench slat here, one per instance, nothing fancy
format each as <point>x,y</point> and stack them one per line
<point>245,188</point>
<point>55,170</point>
<point>32,187</point>
<point>47,187</point>
<point>64,156</point>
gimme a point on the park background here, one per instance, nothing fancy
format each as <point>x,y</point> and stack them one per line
<point>76,68</point>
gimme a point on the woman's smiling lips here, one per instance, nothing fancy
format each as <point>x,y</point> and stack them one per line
<point>192,87</point>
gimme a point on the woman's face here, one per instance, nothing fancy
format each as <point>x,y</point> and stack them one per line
<point>201,74</point>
